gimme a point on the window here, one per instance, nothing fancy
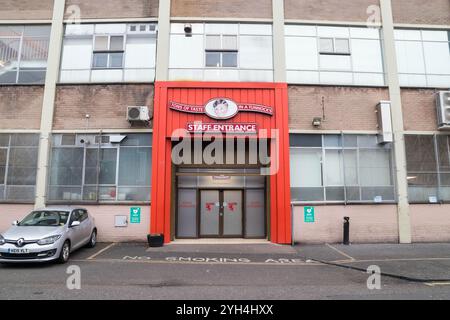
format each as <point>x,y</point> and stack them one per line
<point>340,168</point>
<point>423,57</point>
<point>221,51</point>
<point>428,165</point>
<point>23,54</point>
<point>105,172</point>
<point>18,167</point>
<point>334,55</point>
<point>108,52</point>
<point>334,46</point>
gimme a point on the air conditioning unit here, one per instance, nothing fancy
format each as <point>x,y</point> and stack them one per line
<point>443,109</point>
<point>136,114</point>
<point>383,111</point>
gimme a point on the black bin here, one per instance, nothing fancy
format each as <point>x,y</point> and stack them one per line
<point>155,240</point>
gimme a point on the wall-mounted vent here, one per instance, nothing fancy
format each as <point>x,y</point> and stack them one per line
<point>443,109</point>
<point>385,134</point>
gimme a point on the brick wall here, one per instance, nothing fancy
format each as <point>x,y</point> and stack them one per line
<point>222,8</point>
<point>20,107</point>
<point>105,9</point>
<point>346,108</point>
<point>106,105</point>
<point>421,12</point>
<point>26,9</point>
<point>419,109</point>
<point>332,10</point>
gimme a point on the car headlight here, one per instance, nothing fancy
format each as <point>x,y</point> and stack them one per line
<point>49,240</point>
<point>2,240</point>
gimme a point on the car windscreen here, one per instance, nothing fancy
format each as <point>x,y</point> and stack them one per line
<point>45,218</point>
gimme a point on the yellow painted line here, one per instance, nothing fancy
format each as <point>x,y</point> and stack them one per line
<point>393,260</point>
<point>433,284</point>
<point>101,251</point>
<point>340,252</point>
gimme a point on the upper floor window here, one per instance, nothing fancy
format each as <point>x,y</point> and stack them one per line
<point>334,46</point>
<point>334,55</point>
<point>109,53</point>
<point>18,167</point>
<point>23,54</point>
<point>221,52</point>
<point>423,57</point>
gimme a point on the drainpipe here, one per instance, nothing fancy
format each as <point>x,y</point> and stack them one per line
<point>51,78</point>
<point>392,78</point>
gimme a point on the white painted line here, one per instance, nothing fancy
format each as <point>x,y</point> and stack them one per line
<point>317,264</point>
<point>101,251</point>
<point>340,252</point>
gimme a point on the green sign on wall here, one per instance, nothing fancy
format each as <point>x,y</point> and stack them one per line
<point>135,215</point>
<point>309,214</point>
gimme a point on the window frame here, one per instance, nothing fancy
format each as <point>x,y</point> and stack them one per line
<point>97,186</point>
<point>108,51</point>
<point>22,38</point>
<point>5,184</point>
<point>221,51</point>
<point>334,52</point>
<point>439,185</point>
<point>342,148</point>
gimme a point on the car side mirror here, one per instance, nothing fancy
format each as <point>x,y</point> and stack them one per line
<point>75,224</point>
<point>15,223</point>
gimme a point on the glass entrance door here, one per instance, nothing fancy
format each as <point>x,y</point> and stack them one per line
<point>221,214</point>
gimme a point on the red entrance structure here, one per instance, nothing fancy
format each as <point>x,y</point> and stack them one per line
<point>166,120</point>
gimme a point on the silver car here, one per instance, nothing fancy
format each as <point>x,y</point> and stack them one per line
<point>48,234</point>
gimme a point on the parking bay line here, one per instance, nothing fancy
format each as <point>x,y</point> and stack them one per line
<point>340,252</point>
<point>101,251</point>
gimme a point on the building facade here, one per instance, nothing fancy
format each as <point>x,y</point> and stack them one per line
<point>263,119</point>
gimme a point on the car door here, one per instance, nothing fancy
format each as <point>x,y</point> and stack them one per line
<point>85,226</point>
<point>76,233</point>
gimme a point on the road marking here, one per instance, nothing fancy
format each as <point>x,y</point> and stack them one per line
<point>199,263</point>
<point>391,260</point>
<point>433,284</point>
<point>339,251</point>
<point>101,251</point>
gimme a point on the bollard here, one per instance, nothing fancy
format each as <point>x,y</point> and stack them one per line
<point>346,231</point>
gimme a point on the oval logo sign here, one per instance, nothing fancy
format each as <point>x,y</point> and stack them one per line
<point>221,109</point>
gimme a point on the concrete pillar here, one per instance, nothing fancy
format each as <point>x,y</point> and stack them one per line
<point>162,54</point>
<point>390,57</point>
<point>54,57</point>
<point>279,50</point>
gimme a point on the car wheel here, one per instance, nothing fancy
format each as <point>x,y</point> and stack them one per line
<point>65,253</point>
<point>93,239</point>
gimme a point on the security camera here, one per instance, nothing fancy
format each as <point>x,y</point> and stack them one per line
<point>188,29</point>
<point>82,141</point>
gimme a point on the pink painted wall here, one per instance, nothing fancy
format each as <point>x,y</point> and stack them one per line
<point>12,212</point>
<point>104,219</point>
<point>368,224</point>
<point>430,223</point>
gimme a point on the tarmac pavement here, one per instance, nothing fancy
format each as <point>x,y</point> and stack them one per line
<point>237,271</point>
